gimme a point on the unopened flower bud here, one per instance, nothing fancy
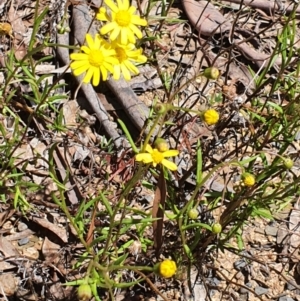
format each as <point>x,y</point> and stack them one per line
<point>166,268</point>
<point>216,228</point>
<point>211,116</point>
<point>161,108</point>
<point>288,163</point>
<point>193,213</point>
<point>161,144</point>
<point>84,292</point>
<point>211,73</point>
<point>248,179</point>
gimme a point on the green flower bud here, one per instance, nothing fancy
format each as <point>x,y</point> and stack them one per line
<point>84,292</point>
<point>193,213</point>
<point>161,108</point>
<point>161,144</point>
<point>216,228</point>
<point>288,163</point>
<point>211,73</point>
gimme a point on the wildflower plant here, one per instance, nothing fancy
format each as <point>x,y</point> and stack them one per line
<point>117,54</point>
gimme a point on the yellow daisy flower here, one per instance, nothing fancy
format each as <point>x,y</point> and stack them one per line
<point>126,55</point>
<point>155,157</point>
<point>96,59</point>
<point>122,22</point>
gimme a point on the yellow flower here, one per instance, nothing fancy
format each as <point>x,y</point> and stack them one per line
<point>248,179</point>
<point>211,116</point>
<point>126,55</point>
<point>121,22</point>
<point>95,60</point>
<point>167,268</point>
<point>155,157</point>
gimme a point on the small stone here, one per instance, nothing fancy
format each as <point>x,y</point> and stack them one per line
<point>243,297</point>
<point>23,241</point>
<point>291,285</point>
<point>31,253</point>
<point>286,298</point>
<point>261,290</point>
<point>244,290</point>
<point>239,264</point>
<point>271,230</point>
<point>22,227</point>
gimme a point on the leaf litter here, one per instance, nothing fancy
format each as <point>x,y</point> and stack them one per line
<point>80,154</point>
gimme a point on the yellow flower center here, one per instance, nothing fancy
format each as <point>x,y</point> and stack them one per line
<point>157,156</point>
<point>123,18</point>
<point>96,58</point>
<point>121,54</point>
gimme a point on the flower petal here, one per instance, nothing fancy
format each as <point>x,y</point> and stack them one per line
<point>79,64</point>
<point>108,67</point>
<point>96,77</point>
<point>125,72</point>
<point>88,75</point>
<point>117,72</point>
<point>111,5</point>
<point>131,10</point>
<point>103,72</point>
<point>124,34</point>
<point>80,70</point>
<point>145,158</point>
<point>85,49</point>
<point>89,40</point>
<point>171,153</point>
<point>115,33</point>
<point>170,165</point>
<point>131,67</point>
<point>149,149</point>
<point>102,15</point>
<point>135,30</point>
<point>79,56</point>
<point>108,27</point>
<point>135,19</point>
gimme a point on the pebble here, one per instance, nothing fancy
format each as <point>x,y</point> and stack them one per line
<point>31,253</point>
<point>271,230</point>
<point>291,285</point>
<point>286,298</point>
<point>239,264</point>
<point>261,290</point>
<point>244,290</point>
<point>243,297</point>
<point>23,241</point>
<point>22,227</point>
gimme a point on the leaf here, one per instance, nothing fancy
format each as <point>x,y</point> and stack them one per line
<point>158,212</point>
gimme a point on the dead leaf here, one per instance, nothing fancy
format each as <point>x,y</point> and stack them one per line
<point>58,231</point>
<point>7,248</point>
<point>8,284</point>
<point>294,226</point>
<point>205,17</point>
<point>50,251</point>
<point>158,212</point>
<point>5,215</point>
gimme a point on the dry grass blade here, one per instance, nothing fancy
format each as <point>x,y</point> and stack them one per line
<point>158,212</point>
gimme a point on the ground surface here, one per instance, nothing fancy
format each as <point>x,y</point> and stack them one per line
<point>39,249</point>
